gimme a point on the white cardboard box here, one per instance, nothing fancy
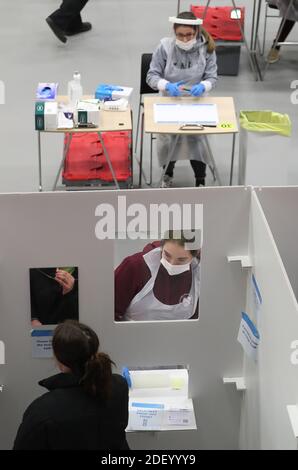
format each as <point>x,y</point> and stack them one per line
<point>46,115</point>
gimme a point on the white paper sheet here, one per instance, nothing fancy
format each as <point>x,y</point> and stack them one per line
<point>176,417</point>
<point>41,341</point>
<point>146,416</point>
<point>192,113</point>
<point>161,414</point>
<point>249,337</point>
<point>65,121</point>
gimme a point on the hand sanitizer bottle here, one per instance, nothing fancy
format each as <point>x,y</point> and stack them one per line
<point>75,90</point>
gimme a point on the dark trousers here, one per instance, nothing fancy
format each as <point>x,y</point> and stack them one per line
<point>68,16</point>
<point>284,33</point>
<point>199,169</point>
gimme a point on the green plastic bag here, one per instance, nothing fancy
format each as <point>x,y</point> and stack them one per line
<point>266,121</point>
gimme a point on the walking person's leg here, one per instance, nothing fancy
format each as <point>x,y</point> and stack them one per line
<point>67,21</point>
<point>199,169</point>
<point>274,54</point>
<point>167,181</point>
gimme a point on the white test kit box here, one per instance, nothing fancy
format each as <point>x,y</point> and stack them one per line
<point>88,111</point>
<point>158,400</point>
<point>46,115</point>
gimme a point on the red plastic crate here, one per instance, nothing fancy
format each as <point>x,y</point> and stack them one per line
<point>86,161</point>
<point>218,22</point>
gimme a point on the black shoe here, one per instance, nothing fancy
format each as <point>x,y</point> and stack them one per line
<point>200,182</point>
<point>83,28</point>
<point>59,33</point>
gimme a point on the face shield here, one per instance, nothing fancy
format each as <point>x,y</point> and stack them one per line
<point>188,40</point>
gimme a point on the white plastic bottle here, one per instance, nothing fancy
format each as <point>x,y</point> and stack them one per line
<point>75,90</point>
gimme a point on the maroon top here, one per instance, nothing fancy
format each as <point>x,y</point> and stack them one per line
<point>133,274</point>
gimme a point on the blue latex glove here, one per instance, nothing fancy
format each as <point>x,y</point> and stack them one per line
<point>109,87</point>
<point>173,88</point>
<point>115,87</point>
<point>104,92</point>
<point>197,90</point>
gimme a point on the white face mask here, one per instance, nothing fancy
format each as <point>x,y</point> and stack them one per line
<point>186,46</point>
<point>174,269</point>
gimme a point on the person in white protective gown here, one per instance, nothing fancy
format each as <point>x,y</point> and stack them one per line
<point>160,283</point>
<point>184,65</point>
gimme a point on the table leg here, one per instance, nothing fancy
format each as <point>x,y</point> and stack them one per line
<point>138,122</point>
<point>171,153</point>
<point>232,159</point>
<point>265,29</point>
<point>255,45</point>
<point>211,159</point>
<point>206,9</point>
<point>252,59</point>
<point>253,25</point>
<point>108,160</point>
<point>131,151</point>
<point>65,152</point>
<point>242,157</point>
<point>39,162</point>
<point>141,150</point>
<point>151,160</point>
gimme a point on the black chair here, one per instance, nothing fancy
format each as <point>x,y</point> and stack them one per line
<point>144,90</point>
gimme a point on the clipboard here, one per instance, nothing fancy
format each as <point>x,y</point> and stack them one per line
<point>193,127</point>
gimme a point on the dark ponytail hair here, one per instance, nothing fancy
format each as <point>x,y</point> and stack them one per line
<point>188,15</point>
<point>75,345</point>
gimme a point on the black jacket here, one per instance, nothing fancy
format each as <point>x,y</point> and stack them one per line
<point>68,418</point>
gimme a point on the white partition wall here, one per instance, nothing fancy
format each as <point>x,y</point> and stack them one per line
<point>58,229</point>
<point>280,208</point>
<point>272,167</point>
<point>272,382</point>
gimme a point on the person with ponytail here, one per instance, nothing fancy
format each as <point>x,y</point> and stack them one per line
<point>86,406</point>
<point>183,65</point>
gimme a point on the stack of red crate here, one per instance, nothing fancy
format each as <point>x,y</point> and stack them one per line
<point>85,159</point>
<point>221,22</point>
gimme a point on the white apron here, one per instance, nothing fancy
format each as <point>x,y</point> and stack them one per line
<point>145,306</point>
<point>188,147</point>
